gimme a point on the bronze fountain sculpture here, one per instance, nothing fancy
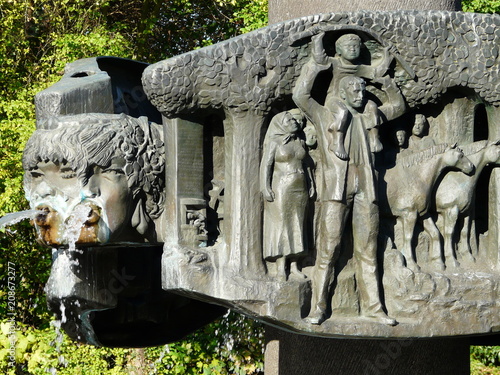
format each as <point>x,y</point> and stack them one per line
<point>260,174</point>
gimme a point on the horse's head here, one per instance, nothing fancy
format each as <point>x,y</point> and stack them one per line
<point>455,158</point>
<point>492,152</point>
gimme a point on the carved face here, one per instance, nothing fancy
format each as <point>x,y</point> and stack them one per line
<point>54,191</point>
<point>349,49</point>
<point>106,170</point>
<point>400,137</point>
<point>420,125</point>
<point>353,92</point>
<point>57,192</point>
<point>290,123</point>
<point>50,179</point>
<point>107,190</point>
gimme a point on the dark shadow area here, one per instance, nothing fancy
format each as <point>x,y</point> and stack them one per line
<point>126,306</point>
<point>128,93</point>
<point>480,123</point>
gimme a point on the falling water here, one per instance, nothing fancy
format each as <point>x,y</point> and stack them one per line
<point>63,266</point>
<point>71,232</point>
<point>65,263</point>
<point>73,225</point>
<point>58,341</point>
<point>16,217</point>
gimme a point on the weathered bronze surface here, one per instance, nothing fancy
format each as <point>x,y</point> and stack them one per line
<point>332,175</point>
<point>377,255</point>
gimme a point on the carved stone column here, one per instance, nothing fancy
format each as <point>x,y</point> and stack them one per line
<point>493,225</point>
<point>244,130</point>
<point>185,177</point>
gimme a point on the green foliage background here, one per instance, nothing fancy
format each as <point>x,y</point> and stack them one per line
<point>37,39</point>
<point>481,6</point>
<point>232,345</point>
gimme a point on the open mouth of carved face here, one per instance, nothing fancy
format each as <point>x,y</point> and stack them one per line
<point>45,217</point>
<point>81,227</point>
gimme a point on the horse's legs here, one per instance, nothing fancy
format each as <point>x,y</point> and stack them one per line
<point>436,256</point>
<point>450,221</point>
<point>473,240</point>
<point>409,219</point>
<point>466,250</point>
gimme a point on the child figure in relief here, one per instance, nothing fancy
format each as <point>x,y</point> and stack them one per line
<point>347,62</point>
<point>287,185</point>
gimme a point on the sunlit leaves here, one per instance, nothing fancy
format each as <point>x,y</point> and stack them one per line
<point>481,6</point>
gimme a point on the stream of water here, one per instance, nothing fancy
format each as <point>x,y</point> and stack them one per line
<point>74,224</point>
<point>16,217</point>
<point>70,232</point>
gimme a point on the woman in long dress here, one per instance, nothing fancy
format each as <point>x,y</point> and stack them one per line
<point>286,184</point>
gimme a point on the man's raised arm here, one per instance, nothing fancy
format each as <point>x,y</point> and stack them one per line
<point>302,91</point>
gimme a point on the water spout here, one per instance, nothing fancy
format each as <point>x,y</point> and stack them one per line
<point>75,223</point>
<point>16,217</point>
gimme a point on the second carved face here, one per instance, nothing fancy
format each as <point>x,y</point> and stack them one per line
<point>103,176</point>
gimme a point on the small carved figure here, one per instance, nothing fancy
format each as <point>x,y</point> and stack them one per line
<point>400,138</point>
<point>111,163</point>
<point>409,187</point>
<point>398,149</point>
<point>286,184</point>
<point>454,197</point>
<point>347,186</point>
<point>216,207</point>
<point>401,142</point>
<point>346,62</point>
<point>197,220</point>
<point>420,140</point>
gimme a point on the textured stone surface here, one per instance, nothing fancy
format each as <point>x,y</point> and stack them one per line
<point>251,72</point>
